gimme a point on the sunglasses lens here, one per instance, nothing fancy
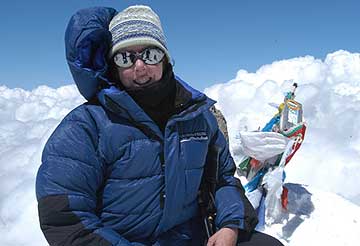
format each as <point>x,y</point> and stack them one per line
<point>152,56</point>
<point>123,59</point>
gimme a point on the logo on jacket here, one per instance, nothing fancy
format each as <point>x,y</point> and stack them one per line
<point>194,136</point>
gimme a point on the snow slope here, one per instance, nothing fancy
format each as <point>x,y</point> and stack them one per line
<point>316,217</point>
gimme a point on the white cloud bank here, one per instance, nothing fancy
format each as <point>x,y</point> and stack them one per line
<point>330,93</point>
<point>328,161</point>
<point>26,121</point>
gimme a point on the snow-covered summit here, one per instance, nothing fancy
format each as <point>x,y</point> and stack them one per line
<point>324,198</point>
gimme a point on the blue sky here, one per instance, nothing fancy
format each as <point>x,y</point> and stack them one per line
<point>209,40</point>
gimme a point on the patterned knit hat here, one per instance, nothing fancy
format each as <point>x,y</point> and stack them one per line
<point>137,25</point>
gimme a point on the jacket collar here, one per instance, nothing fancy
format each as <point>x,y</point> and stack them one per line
<point>189,103</point>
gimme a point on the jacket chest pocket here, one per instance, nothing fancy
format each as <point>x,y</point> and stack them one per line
<point>194,149</point>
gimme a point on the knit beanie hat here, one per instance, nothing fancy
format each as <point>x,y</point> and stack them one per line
<point>136,25</point>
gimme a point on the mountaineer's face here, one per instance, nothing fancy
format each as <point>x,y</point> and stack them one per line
<point>139,66</point>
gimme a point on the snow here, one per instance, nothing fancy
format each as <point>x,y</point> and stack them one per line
<point>330,156</point>
<point>322,178</point>
<point>316,217</point>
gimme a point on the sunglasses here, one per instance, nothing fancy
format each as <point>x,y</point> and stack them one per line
<point>150,56</point>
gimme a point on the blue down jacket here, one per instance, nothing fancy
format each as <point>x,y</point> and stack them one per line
<point>109,176</point>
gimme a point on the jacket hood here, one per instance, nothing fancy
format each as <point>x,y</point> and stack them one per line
<point>87,42</point>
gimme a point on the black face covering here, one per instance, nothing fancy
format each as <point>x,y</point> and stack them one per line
<point>157,99</point>
<point>153,94</point>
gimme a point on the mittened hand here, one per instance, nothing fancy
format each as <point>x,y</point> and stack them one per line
<point>263,145</point>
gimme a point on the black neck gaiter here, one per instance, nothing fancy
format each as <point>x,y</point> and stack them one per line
<point>158,99</point>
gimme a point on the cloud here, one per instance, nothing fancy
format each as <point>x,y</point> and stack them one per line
<point>329,91</point>
<point>27,118</point>
<point>329,158</point>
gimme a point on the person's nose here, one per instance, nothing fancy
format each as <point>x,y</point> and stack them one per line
<point>139,65</point>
